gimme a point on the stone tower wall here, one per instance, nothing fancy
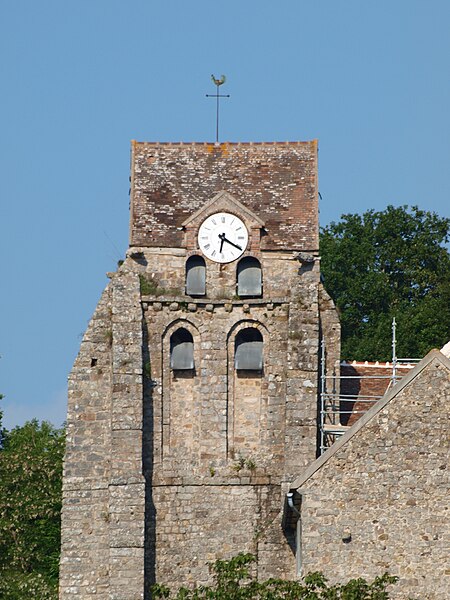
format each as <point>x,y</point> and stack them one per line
<point>223,444</point>
<point>182,465</point>
<point>188,467</point>
<point>84,568</point>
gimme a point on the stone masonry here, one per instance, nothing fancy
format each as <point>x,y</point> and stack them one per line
<point>377,500</point>
<point>167,470</point>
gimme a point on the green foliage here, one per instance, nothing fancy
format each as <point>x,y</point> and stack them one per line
<point>250,464</point>
<point>148,286</point>
<point>109,337</point>
<point>387,264</point>
<point>30,505</point>
<point>234,579</point>
<point>151,287</point>
<point>243,463</point>
<point>238,464</point>
<point>147,370</point>
<point>1,418</point>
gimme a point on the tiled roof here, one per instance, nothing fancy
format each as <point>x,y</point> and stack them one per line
<point>276,181</point>
<point>363,383</point>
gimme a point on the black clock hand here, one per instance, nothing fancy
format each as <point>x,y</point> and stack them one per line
<point>224,239</point>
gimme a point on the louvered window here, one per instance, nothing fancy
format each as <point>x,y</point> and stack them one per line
<point>181,350</point>
<point>248,350</point>
<point>195,276</point>
<point>249,277</point>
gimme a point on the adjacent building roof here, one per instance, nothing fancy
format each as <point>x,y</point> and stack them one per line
<point>363,383</point>
<point>390,396</point>
<point>446,350</point>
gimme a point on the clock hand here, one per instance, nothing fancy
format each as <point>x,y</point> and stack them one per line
<point>224,239</point>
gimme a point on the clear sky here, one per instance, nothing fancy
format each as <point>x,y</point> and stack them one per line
<point>81,78</point>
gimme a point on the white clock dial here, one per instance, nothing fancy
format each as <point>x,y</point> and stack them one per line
<point>222,237</point>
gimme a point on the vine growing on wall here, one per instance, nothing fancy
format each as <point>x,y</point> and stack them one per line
<point>234,579</point>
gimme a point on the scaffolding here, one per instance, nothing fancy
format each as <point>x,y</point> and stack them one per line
<point>342,404</point>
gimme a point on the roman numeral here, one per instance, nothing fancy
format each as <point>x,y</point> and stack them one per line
<point>207,246</point>
<point>214,221</point>
<point>222,219</point>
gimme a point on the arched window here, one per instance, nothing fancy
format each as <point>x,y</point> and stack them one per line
<point>195,276</point>
<point>248,350</point>
<point>249,277</point>
<point>181,350</point>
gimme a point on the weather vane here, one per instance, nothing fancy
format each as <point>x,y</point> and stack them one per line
<point>218,83</point>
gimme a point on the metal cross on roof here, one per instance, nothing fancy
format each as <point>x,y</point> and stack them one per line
<point>218,83</point>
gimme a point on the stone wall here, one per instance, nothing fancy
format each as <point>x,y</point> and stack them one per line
<point>103,516</point>
<point>84,570</point>
<point>208,437</point>
<point>216,518</point>
<point>330,334</point>
<point>378,499</point>
<point>287,315</point>
<point>167,470</point>
<point>224,444</point>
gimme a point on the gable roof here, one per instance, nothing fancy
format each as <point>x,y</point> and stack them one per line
<point>433,355</point>
<point>223,201</point>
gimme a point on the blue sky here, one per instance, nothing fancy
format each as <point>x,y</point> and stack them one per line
<point>80,79</point>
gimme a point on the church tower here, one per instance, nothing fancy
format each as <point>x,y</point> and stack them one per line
<point>194,399</point>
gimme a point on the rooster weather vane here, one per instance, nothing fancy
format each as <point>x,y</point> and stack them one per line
<point>218,83</point>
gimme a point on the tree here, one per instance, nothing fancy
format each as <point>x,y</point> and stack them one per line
<point>30,505</point>
<point>233,580</point>
<point>389,264</point>
<point>1,422</point>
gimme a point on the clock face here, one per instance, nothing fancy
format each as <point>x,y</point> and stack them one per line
<point>222,237</point>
